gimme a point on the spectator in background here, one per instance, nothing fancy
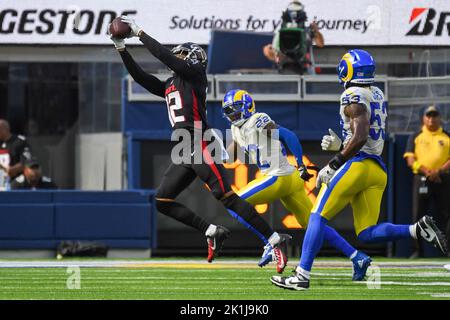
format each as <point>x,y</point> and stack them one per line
<point>32,178</point>
<point>14,149</point>
<point>428,155</point>
<point>291,48</point>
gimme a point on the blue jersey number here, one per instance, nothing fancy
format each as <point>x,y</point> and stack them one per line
<point>378,111</point>
<point>349,99</point>
<point>262,121</point>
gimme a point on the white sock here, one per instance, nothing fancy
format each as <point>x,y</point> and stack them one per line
<point>274,239</point>
<point>413,230</point>
<point>354,254</point>
<point>211,230</point>
<point>303,272</point>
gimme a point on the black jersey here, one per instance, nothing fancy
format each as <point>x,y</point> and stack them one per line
<point>15,150</point>
<point>185,92</point>
<point>12,151</point>
<point>186,102</point>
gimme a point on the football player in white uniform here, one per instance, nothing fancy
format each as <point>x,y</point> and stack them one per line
<point>265,142</point>
<point>356,175</point>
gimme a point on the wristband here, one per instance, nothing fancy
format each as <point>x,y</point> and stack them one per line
<point>337,161</point>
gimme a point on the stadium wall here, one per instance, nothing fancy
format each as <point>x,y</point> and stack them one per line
<point>42,219</point>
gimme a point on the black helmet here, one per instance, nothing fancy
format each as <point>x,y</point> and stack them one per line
<point>192,52</point>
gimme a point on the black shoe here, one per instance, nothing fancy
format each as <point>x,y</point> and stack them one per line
<point>215,242</point>
<point>294,282</point>
<point>427,229</point>
<point>280,252</point>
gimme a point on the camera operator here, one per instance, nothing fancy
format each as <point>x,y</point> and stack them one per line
<point>291,48</point>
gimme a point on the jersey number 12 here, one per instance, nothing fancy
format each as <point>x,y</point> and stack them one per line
<point>173,100</point>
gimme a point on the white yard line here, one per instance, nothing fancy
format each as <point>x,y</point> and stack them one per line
<point>386,274</point>
<point>436,294</point>
<point>405,283</point>
<point>197,263</point>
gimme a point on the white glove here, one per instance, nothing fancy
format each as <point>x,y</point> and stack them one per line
<point>135,29</point>
<point>324,176</point>
<point>331,142</point>
<point>118,43</point>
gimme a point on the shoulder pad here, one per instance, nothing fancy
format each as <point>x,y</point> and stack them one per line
<point>378,90</point>
<point>260,120</point>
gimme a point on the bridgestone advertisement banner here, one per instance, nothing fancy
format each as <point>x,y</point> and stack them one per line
<point>342,22</point>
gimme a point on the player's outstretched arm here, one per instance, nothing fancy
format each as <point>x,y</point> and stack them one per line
<point>179,66</point>
<point>148,81</point>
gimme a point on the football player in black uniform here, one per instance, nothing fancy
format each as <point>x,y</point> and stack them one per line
<point>185,95</point>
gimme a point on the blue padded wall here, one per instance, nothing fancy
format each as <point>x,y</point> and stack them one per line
<point>26,221</point>
<point>310,120</point>
<point>102,221</point>
<point>42,219</point>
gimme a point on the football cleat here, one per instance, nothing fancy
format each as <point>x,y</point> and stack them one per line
<point>294,282</point>
<point>280,252</point>
<point>267,256</point>
<point>427,229</point>
<point>361,263</point>
<point>216,241</point>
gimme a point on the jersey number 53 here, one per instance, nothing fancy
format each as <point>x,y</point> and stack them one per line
<point>377,120</point>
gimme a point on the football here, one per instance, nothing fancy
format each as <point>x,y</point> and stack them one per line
<point>119,29</point>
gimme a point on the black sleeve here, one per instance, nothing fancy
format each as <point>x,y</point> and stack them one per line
<point>148,81</point>
<point>180,67</point>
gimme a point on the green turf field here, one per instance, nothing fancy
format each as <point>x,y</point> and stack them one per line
<point>225,279</point>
